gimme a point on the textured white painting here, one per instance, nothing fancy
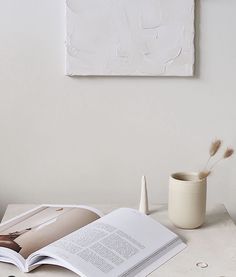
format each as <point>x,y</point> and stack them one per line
<point>130,37</point>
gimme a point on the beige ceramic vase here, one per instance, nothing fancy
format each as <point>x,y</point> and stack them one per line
<point>187,200</point>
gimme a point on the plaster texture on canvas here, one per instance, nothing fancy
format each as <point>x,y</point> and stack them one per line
<point>130,37</point>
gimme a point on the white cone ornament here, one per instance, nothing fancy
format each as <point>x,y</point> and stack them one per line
<point>143,206</point>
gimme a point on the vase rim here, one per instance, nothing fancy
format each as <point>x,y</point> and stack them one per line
<point>186,176</point>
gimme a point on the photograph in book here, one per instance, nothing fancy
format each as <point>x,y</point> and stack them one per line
<point>43,227</point>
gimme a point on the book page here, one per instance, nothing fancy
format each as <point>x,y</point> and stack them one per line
<point>42,226</point>
<point>113,245</point>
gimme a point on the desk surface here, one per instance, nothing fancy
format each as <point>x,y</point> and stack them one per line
<point>214,243</point>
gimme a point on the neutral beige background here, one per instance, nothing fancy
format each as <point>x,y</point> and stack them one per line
<point>73,140</point>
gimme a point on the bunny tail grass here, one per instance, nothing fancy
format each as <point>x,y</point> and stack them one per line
<point>203,174</point>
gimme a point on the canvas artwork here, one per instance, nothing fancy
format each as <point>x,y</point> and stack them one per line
<point>130,37</point>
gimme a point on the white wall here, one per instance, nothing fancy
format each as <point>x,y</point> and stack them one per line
<point>90,139</point>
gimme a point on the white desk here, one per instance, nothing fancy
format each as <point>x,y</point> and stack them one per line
<point>214,243</point>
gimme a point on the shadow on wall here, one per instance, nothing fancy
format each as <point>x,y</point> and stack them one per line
<point>197,39</point>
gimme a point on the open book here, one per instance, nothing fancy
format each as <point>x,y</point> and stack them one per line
<point>79,238</point>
